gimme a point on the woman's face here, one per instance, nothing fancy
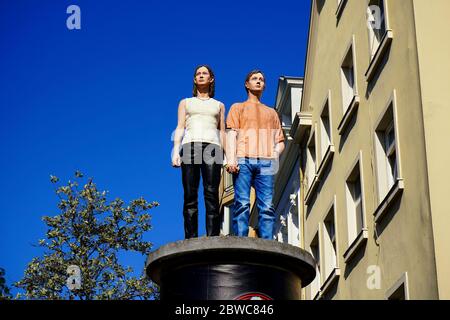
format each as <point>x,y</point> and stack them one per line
<point>203,77</point>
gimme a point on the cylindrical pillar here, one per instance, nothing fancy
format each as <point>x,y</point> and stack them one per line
<point>230,268</point>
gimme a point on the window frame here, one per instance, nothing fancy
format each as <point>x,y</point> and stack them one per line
<point>385,193</point>
<point>390,150</point>
<point>229,224</point>
<point>326,154</point>
<point>311,186</point>
<point>228,181</point>
<point>349,108</point>
<point>375,58</point>
<point>371,31</point>
<point>340,8</point>
<point>402,281</point>
<point>334,274</point>
<point>316,242</point>
<point>362,235</point>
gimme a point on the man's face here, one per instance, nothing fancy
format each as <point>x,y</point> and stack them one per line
<point>203,77</point>
<point>256,82</point>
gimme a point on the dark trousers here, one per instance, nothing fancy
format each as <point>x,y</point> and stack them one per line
<point>193,164</point>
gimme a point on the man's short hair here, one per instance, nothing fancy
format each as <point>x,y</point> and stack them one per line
<point>249,75</point>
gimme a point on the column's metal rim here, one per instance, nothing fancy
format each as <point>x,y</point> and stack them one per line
<point>229,248</point>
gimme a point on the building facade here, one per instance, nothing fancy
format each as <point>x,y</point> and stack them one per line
<point>363,182</point>
<point>286,199</point>
<point>372,130</point>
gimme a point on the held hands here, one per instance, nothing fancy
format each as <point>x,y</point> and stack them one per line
<point>232,167</point>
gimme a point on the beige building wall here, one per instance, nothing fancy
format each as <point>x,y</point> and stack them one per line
<point>411,236</point>
<point>433,47</point>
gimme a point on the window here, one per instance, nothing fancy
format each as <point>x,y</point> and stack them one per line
<point>389,181</point>
<point>380,35</point>
<point>376,24</point>
<point>389,148</point>
<point>348,79</point>
<point>340,7</point>
<point>311,177</point>
<point>286,120</point>
<point>398,294</point>
<point>288,98</point>
<point>330,264</point>
<point>400,290</point>
<point>282,235</point>
<point>356,220</point>
<point>315,251</point>
<point>311,160</point>
<point>226,228</point>
<point>326,139</point>
<point>355,208</point>
<point>293,222</point>
<point>350,97</point>
<point>325,130</point>
<point>330,246</point>
<point>228,179</point>
<point>287,209</point>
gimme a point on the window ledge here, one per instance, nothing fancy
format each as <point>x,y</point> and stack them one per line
<point>312,189</point>
<point>325,160</point>
<point>318,295</point>
<point>302,122</point>
<point>340,8</point>
<point>360,240</point>
<point>378,57</point>
<point>334,275</point>
<point>348,114</point>
<point>395,191</point>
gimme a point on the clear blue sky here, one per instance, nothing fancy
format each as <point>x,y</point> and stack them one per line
<point>103,99</point>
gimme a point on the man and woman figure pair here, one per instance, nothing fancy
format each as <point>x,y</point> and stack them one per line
<point>252,140</point>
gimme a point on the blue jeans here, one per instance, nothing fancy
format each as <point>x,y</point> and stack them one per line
<point>258,173</point>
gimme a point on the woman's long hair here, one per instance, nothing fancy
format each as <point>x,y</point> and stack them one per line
<point>212,86</point>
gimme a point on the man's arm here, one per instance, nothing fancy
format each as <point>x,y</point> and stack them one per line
<point>231,147</point>
<point>279,148</point>
<point>233,127</point>
<point>279,137</point>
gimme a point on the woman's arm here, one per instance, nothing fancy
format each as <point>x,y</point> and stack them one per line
<point>222,126</point>
<point>179,132</point>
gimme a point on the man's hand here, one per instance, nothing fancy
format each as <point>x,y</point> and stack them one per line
<point>232,167</point>
<point>279,148</point>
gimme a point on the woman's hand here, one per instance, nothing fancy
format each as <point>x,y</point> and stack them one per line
<point>176,160</point>
<point>232,167</point>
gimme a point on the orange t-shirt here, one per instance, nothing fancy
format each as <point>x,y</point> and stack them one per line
<point>258,130</point>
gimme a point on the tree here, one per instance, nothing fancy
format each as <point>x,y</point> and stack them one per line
<point>4,290</point>
<point>82,244</point>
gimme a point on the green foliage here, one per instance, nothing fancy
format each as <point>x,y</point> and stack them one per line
<point>89,233</point>
<point>4,290</point>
